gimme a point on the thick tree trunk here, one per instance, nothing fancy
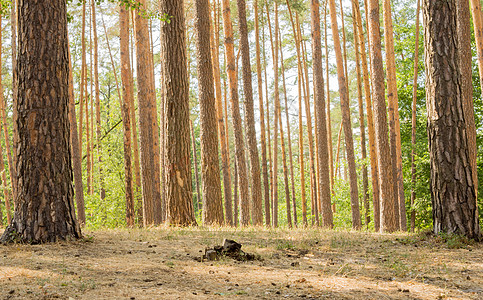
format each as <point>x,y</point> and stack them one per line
<point>45,204</point>
<point>268,200</point>
<point>236,118</point>
<point>178,173</point>
<point>321,132</point>
<point>452,187</point>
<point>212,202</point>
<point>386,188</point>
<point>346,120</point>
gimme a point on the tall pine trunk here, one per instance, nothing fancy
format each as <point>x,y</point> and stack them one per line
<point>45,204</point>
<point>346,120</point>
<point>212,202</point>
<point>151,192</point>
<point>452,187</point>
<point>266,186</point>
<point>236,118</point>
<point>386,188</point>
<point>127,95</point>
<point>370,118</point>
<point>319,98</point>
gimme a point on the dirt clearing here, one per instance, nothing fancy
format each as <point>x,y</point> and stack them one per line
<point>164,263</point>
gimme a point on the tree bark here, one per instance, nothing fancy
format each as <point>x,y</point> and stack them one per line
<point>178,173</point>
<point>127,95</point>
<point>236,118</point>
<point>212,202</point>
<point>452,187</point>
<point>151,192</point>
<point>256,185</point>
<point>399,203</point>
<point>45,204</point>
<point>388,215</point>
<point>464,34</point>
<point>220,118</point>
<point>365,180</point>
<point>266,187</point>
<point>289,140</point>
<point>370,119</point>
<point>319,98</point>
<point>346,120</point>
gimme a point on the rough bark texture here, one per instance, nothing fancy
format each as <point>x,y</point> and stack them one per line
<point>319,98</point>
<point>151,192</point>
<point>236,118</point>
<point>399,203</point>
<point>266,187</point>
<point>452,188</point>
<point>127,94</point>
<point>178,171</point>
<point>45,204</point>
<point>256,184</point>
<point>212,203</point>
<point>346,120</point>
<point>388,215</point>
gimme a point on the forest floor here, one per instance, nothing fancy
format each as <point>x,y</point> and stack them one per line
<point>164,263</point>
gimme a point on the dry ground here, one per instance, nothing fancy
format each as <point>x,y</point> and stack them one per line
<point>159,263</point>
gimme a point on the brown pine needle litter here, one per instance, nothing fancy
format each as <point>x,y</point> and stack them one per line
<point>164,263</point>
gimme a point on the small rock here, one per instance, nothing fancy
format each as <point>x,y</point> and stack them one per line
<point>211,272</point>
